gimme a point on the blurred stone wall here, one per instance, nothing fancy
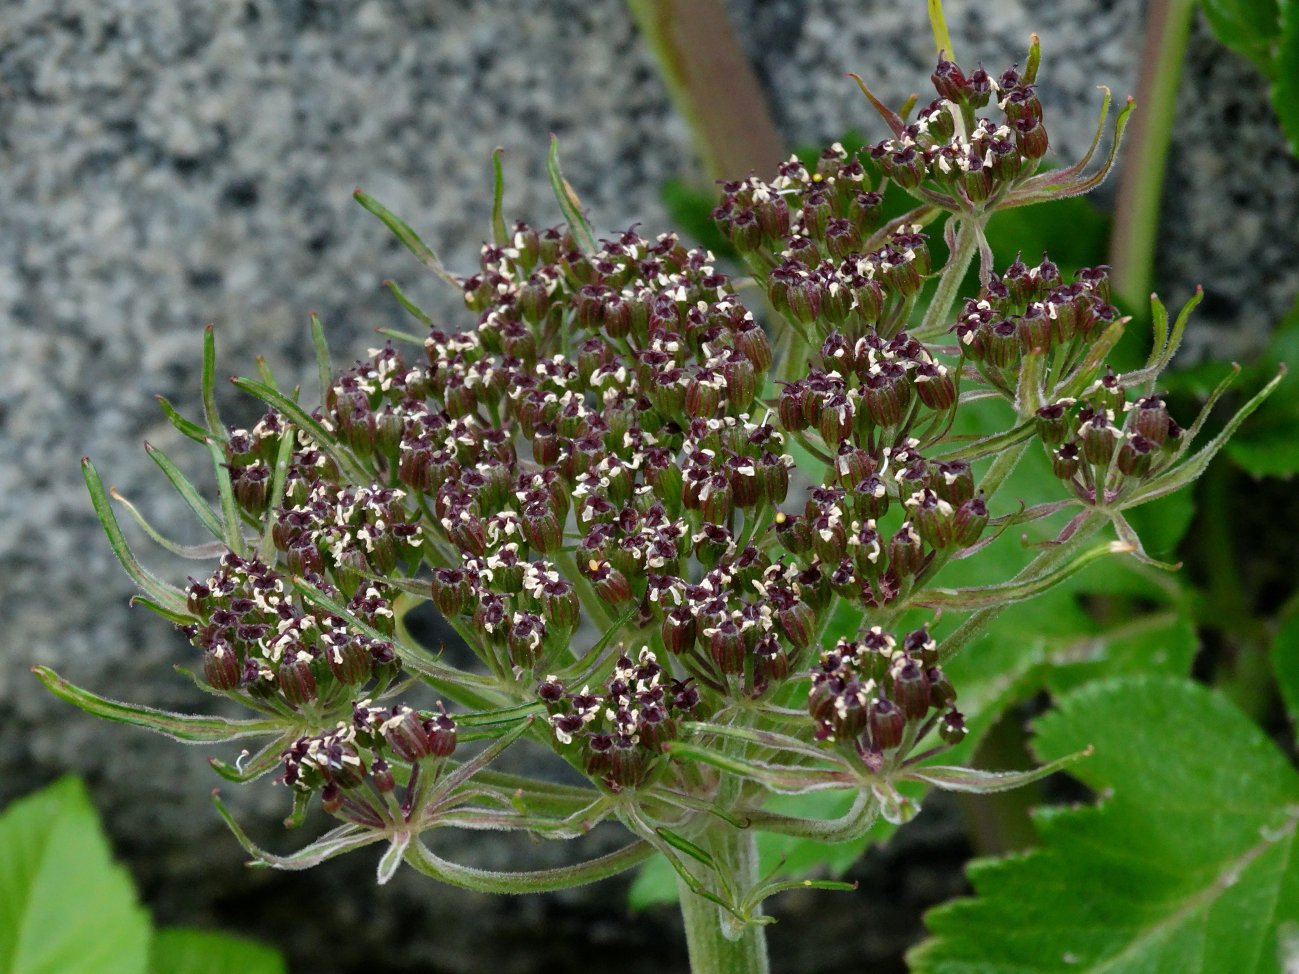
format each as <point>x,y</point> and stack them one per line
<point>168,163</point>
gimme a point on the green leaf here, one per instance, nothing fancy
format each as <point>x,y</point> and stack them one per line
<point>1267,447</point>
<point>1285,664</point>
<point>1285,91</point>
<point>1184,866</point>
<point>655,883</point>
<point>176,950</point>
<point>1249,27</point>
<point>64,905</point>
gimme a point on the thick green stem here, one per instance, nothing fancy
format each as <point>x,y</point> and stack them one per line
<point>949,284</point>
<point>718,943</point>
<point>1136,212</point>
<point>712,85</point>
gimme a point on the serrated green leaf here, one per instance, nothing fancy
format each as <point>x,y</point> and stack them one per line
<point>177,950</point>
<point>64,905</point>
<point>1248,27</point>
<point>1185,866</point>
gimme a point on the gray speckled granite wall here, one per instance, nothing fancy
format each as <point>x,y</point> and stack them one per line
<point>168,163</point>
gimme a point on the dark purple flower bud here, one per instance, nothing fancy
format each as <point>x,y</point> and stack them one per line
<point>441,731</point>
<point>886,395</point>
<point>678,630</point>
<point>798,623</point>
<point>978,88</point>
<point>949,81</point>
<point>627,765</point>
<point>1002,348</point>
<point>906,551</point>
<point>816,214</point>
<point>773,216</point>
<point>526,633</point>
<point>941,691</point>
<point>752,342</point>
<point>741,383</point>
<point>934,386</point>
<point>933,517</point>
<point>716,499</point>
<point>887,724</point>
<point>790,408</point>
<point>905,166</point>
<point>911,690</point>
<point>704,395</point>
<point>802,300</point>
<point>610,584</point>
<point>969,521</point>
<point>953,480</point>
<point>726,646</point>
<point>829,539</point>
<point>1152,419</point>
<point>842,239</point>
<point>1053,422</point>
<point>221,668</point>
<point>850,711</point>
<point>295,680</point>
<point>350,662</point>
<point>382,777</point>
<point>451,589</point>
<point>744,232</point>
<point>1135,456</point>
<point>793,532</point>
<point>541,527</point>
<point>835,421</point>
<point>1022,102</point>
<point>1098,437</point>
<point>951,728</point>
<point>252,486</point>
<point>1030,137</point>
<point>1066,461</point>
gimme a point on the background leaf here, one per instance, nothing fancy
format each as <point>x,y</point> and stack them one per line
<point>1285,664</point>
<point>1285,91</point>
<point>176,950</point>
<point>1184,866</point>
<point>1248,27</point>
<point>64,905</point>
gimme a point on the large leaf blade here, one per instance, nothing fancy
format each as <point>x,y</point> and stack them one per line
<point>178,950</point>
<point>1185,866</point>
<point>64,904</point>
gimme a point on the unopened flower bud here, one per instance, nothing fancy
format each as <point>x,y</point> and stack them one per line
<point>887,724</point>
<point>911,690</point>
<point>221,668</point>
<point>951,728</point>
<point>296,681</point>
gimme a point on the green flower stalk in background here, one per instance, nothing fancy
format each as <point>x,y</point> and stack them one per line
<point>647,506</point>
